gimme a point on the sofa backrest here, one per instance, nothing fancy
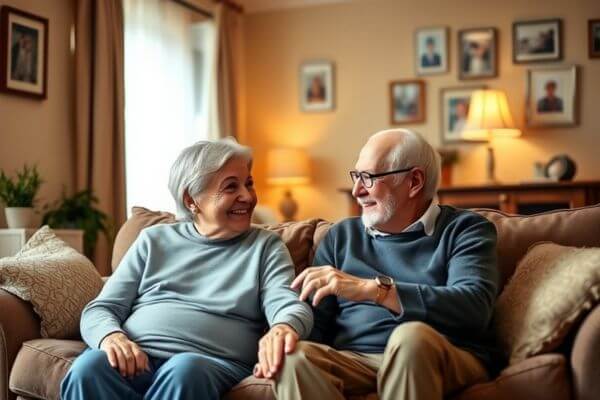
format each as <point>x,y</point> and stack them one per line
<point>516,233</point>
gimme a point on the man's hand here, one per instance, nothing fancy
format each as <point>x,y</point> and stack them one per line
<point>327,280</point>
<point>124,355</point>
<point>271,347</point>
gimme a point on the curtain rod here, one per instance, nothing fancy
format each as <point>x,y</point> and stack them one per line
<point>195,8</point>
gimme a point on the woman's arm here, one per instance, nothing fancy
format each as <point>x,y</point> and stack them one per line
<point>106,313</point>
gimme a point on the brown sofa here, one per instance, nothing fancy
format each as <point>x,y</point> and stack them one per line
<point>31,367</point>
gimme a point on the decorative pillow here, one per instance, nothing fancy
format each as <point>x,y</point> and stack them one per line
<point>552,287</point>
<point>56,279</point>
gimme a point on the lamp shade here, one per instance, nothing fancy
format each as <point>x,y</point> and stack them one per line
<point>489,116</point>
<point>287,166</point>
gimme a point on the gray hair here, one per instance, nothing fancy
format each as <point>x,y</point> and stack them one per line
<point>412,150</point>
<point>197,164</point>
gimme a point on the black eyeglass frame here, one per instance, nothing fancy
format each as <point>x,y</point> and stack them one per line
<point>356,175</point>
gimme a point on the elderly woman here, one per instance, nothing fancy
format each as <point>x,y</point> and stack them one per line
<point>182,316</point>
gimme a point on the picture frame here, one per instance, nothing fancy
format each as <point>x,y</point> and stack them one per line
<point>407,101</point>
<point>454,108</point>
<point>537,41</point>
<point>317,91</point>
<point>478,53</point>
<point>552,97</point>
<point>431,51</point>
<point>23,53</point>
<point>594,38</point>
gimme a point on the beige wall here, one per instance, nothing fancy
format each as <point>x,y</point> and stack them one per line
<point>39,132</point>
<point>371,43</point>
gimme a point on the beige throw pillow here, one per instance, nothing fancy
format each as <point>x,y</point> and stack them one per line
<point>552,287</point>
<point>56,279</point>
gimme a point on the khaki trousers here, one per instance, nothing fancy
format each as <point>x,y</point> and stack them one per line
<point>418,364</point>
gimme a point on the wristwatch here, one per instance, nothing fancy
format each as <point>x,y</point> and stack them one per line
<point>384,284</point>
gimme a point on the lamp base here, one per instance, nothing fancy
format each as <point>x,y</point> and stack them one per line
<point>490,166</point>
<point>288,207</point>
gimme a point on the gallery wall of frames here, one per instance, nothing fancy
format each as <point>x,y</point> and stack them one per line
<point>551,92</point>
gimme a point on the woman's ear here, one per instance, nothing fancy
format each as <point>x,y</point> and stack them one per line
<point>189,202</point>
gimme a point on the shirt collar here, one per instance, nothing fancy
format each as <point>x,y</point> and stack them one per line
<point>425,223</point>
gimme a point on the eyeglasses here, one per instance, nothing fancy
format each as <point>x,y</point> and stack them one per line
<point>367,178</point>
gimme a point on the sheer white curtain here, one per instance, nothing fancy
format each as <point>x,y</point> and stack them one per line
<point>168,64</point>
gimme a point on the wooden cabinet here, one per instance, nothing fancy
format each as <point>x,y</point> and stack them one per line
<point>526,198</point>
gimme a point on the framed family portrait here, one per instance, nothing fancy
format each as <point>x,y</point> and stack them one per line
<point>407,102</point>
<point>24,53</point>
<point>478,53</point>
<point>594,37</point>
<point>431,46</point>
<point>537,41</point>
<point>455,103</point>
<point>316,86</point>
<point>552,97</point>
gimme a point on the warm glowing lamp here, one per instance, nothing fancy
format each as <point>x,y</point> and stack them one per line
<point>288,167</point>
<point>489,117</point>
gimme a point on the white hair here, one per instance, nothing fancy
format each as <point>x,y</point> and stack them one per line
<point>412,150</point>
<point>197,164</point>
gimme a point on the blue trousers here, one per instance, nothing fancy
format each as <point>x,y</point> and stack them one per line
<point>189,376</point>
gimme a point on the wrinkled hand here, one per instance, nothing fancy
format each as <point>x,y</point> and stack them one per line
<point>124,355</point>
<point>271,347</point>
<point>327,280</point>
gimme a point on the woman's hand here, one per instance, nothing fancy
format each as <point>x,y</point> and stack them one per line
<point>125,355</point>
<point>271,347</point>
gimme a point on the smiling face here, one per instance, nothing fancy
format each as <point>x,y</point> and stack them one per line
<point>224,209</point>
<point>380,202</point>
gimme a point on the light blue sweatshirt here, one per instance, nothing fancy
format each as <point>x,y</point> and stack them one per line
<point>177,291</point>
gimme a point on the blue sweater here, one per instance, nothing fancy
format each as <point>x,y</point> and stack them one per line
<point>448,280</point>
<point>176,291</point>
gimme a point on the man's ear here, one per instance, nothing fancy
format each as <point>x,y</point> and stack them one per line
<point>417,183</point>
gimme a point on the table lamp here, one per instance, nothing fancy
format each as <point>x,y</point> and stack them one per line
<point>489,117</point>
<point>288,167</point>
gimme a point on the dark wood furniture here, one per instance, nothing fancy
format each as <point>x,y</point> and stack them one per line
<point>525,198</point>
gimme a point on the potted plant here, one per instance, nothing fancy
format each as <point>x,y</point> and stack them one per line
<point>18,196</point>
<point>80,212</point>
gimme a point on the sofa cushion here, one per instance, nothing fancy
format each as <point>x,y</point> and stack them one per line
<point>538,378</point>
<point>552,287</point>
<point>579,227</point>
<point>56,279</point>
<point>41,365</point>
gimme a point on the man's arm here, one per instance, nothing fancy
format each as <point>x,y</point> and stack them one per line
<point>467,299</point>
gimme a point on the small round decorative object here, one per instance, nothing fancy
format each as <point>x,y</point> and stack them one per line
<point>561,168</point>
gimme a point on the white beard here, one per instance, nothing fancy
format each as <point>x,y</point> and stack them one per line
<point>372,218</point>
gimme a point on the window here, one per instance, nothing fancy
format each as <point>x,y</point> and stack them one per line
<point>168,64</point>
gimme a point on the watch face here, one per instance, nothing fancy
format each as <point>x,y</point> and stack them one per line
<point>385,280</point>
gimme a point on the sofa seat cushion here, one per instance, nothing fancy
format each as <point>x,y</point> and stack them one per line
<point>537,378</point>
<point>41,365</point>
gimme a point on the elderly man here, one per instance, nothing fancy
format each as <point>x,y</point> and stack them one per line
<point>404,294</point>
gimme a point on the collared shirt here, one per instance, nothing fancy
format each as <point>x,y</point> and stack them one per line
<point>426,222</point>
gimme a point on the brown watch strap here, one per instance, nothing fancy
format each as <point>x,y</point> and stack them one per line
<point>382,292</point>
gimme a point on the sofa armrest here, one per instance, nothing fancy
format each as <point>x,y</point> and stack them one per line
<point>585,358</point>
<point>18,323</point>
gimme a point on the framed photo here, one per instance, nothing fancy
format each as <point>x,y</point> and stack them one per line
<point>407,102</point>
<point>537,41</point>
<point>23,53</point>
<point>316,86</point>
<point>552,97</point>
<point>455,102</point>
<point>594,37</point>
<point>431,46</point>
<point>478,53</point>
